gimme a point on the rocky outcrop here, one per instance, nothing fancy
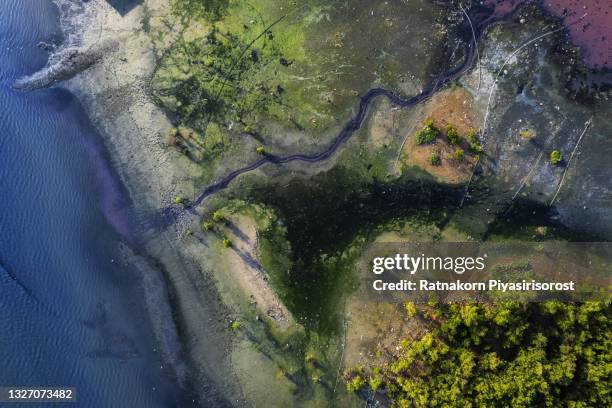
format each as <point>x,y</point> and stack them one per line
<point>65,64</point>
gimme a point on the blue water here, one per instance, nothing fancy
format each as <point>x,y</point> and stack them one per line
<point>71,314</point>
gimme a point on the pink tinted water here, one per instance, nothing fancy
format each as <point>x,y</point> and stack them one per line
<point>593,33</point>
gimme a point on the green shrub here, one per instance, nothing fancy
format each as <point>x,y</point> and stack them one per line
<point>206,226</point>
<point>356,383</point>
<point>428,134</point>
<point>260,150</point>
<point>527,134</point>
<point>458,155</point>
<point>218,216</point>
<point>310,356</point>
<point>410,309</point>
<point>556,157</point>
<point>235,325</point>
<point>435,159</point>
<point>227,243</point>
<point>375,382</point>
<point>453,135</point>
<point>179,200</point>
<point>475,145</point>
<point>476,148</point>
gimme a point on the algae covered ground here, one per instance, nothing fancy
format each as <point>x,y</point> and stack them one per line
<point>282,75</point>
<point>246,83</point>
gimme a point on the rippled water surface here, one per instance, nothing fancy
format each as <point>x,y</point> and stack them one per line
<point>71,313</point>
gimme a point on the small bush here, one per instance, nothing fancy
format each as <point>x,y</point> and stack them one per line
<point>435,159</point>
<point>475,145</point>
<point>260,150</point>
<point>355,384</point>
<point>458,155</point>
<point>428,134</point>
<point>206,226</point>
<point>410,309</point>
<point>235,325</point>
<point>227,243</point>
<point>375,382</point>
<point>217,216</point>
<point>556,157</point>
<point>453,135</point>
<point>179,200</point>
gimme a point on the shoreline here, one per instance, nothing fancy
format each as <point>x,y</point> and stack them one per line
<point>114,96</point>
<point>191,327</point>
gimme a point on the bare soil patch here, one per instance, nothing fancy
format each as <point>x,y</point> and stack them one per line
<point>449,107</point>
<point>243,267</point>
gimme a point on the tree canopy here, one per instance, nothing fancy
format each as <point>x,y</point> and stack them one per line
<point>508,354</point>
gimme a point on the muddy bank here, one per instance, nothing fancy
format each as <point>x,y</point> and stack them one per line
<point>593,34</point>
<point>65,64</point>
<point>528,110</point>
<point>192,325</point>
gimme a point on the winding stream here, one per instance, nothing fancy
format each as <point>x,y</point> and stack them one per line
<point>481,19</point>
